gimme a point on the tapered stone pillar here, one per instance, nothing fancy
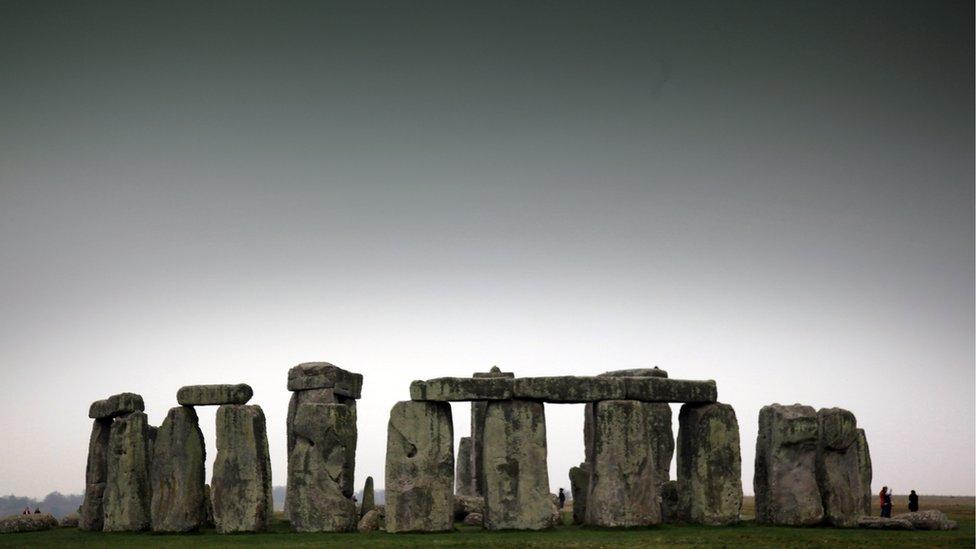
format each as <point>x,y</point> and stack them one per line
<point>127,491</point>
<point>838,467</point>
<point>866,472</point>
<point>178,473</point>
<point>464,478</point>
<point>241,483</point>
<point>709,464</point>
<point>96,475</point>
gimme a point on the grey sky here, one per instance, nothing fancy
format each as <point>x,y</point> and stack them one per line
<point>778,196</point>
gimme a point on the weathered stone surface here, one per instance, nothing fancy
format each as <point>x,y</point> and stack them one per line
<point>557,513</point>
<point>881,523</point>
<point>494,372</point>
<point>116,405</point>
<point>474,519</point>
<point>579,484</point>
<point>369,498</point>
<point>636,372</point>
<point>465,505</point>
<point>464,477</point>
<point>310,396</point>
<point>322,375</point>
<point>785,480</point>
<point>568,389</point>
<point>660,389</point>
<point>623,489</point>
<point>208,520</point>
<point>96,475</point>
<point>241,482</point>
<point>662,439</point>
<point>420,468</point>
<point>448,389</point>
<point>516,475</point>
<point>670,505</point>
<point>838,468</point>
<point>127,489</point>
<point>27,523</point>
<point>178,473</point>
<point>370,522</point>
<point>317,470</point>
<point>864,471</point>
<point>928,520</point>
<point>709,464</point>
<point>477,433</point>
<point>209,395</point>
<point>71,520</point>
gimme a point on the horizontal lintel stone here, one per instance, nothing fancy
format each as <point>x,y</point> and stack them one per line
<point>569,389</point>
<point>116,405</point>
<point>214,395</point>
<point>322,375</point>
<point>447,389</point>
<point>659,389</point>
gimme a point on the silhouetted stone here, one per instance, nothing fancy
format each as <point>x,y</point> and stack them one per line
<point>322,375</point>
<point>568,389</point>
<point>579,484</point>
<point>419,468</point>
<point>785,480</point>
<point>116,405</point>
<point>27,523</point>
<point>623,489</point>
<point>369,501</point>
<point>464,478</point>
<point>838,467</point>
<point>178,474</point>
<point>928,520</point>
<point>96,475</point>
<point>516,477</point>
<point>208,395</point>
<point>660,389</point>
<point>241,483</point>
<point>447,389</point>
<point>864,471</point>
<point>709,464</point>
<point>317,470</point>
<point>127,490</point>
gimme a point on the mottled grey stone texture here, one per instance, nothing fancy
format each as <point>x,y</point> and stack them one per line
<point>27,523</point>
<point>420,468</point>
<point>709,464</point>
<point>928,520</point>
<point>659,389</point>
<point>516,475</point>
<point>464,477</point>
<point>838,468</point>
<point>880,523</point>
<point>448,389</point>
<point>209,395</point>
<point>579,484</point>
<point>116,405</point>
<point>241,482</point>
<point>178,474</point>
<point>370,522</point>
<point>127,491</point>
<point>96,475</point>
<point>465,505</point>
<point>568,389</point>
<point>785,480</point>
<point>369,498</point>
<point>310,396</point>
<point>623,489</point>
<point>670,505</point>
<point>864,471</point>
<point>636,372</point>
<point>319,480</point>
<point>477,432</point>
<point>322,375</point>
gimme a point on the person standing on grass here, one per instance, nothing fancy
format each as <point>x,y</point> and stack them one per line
<point>886,502</point>
<point>562,498</point>
<point>913,502</point>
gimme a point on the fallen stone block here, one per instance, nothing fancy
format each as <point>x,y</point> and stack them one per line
<point>370,522</point>
<point>214,395</point>
<point>928,520</point>
<point>116,405</point>
<point>882,523</point>
<point>322,375</point>
<point>465,505</point>
<point>71,520</point>
<point>27,523</point>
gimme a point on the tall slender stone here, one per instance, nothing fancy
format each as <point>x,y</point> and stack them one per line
<point>96,475</point>
<point>516,476</point>
<point>579,483</point>
<point>709,464</point>
<point>127,490</point>
<point>178,474</point>
<point>623,487</point>
<point>865,471</point>
<point>317,473</point>
<point>420,468</point>
<point>838,467</point>
<point>241,483</point>
<point>785,480</point>
<point>369,498</point>
<point>464,481</point>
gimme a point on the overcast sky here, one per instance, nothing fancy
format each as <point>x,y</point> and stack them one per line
<point>778,196</point>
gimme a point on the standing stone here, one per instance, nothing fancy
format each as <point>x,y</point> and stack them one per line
<point>241,483</point>
<point>96,475</point>
<point>369,501</point>
<point>838,468</point>
<point>316,470</point>
<point>670,506</point>
<point>420,468</point>
<point>865,472</point>
<point>477,432</point>
<point>208,521</point>
<point>178,476</point>
<point>464,482</point>
<point>623,488</point>
<point>311,396</point>
<point>516,475</point>
<point>579,483</point>
<point>127,491</point>
<point>785,481</point>
<point>709,464</point>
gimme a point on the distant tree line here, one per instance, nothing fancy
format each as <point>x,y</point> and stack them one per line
<point>55,503</point>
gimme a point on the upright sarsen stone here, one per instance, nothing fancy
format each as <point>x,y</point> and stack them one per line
<point>96,475</point>
<point>785,480</point>
<point>838,467</point>
<point>579,483</point>
<point>127,490</point>
<point>623,488</point>
<point>709,464</point>
<point>477,432</point>
<point>516,476</point>
<point>369,498</point>
<point>178,474</point>
<point>241,483</point>
<point>420,468</point>
<point>865,472</point>
<point>464,481</point>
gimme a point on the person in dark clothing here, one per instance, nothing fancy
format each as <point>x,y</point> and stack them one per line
<point>562,498</point>
<point>37,511</point>
<point>913,502</point>
<point>886,502</point>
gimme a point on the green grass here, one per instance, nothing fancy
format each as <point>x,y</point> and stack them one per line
<point>747,534</point>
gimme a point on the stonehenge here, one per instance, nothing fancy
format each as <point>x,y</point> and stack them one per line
<point>178,474</point>
<point>838,467</point>
<point>709,466</point>
<point>125,502</point>
<point>464,484</point>
<point>241,484</point>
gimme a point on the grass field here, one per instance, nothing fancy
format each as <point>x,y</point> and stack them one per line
<point>747,534</point>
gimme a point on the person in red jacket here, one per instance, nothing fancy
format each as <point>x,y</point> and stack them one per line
<point>885,497</point>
